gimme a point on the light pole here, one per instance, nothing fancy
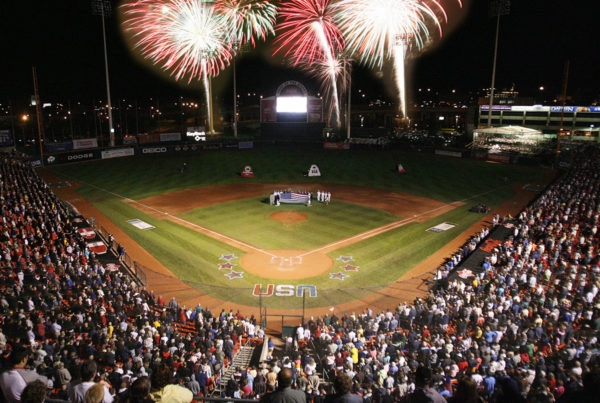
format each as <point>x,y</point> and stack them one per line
<point>497,8</point>
<point>348,73</point>
<point>235,132</point>
<point>38,113</point>
<point>103,7</point>
<point>23,119</point>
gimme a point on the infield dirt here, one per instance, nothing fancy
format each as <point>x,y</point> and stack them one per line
<point>407,288</point>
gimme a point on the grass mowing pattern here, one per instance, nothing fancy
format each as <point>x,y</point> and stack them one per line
<point>248,221</point>
<point>382,259</point>
<point>441,178</point>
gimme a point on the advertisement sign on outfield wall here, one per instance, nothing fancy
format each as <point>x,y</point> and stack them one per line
<point>121,152</point>
<point>336,145</point>
<point>58,146</point>
<point>154,150</point>
<point>78,144</point>
<point>165,137</point>
<point>66,158</point>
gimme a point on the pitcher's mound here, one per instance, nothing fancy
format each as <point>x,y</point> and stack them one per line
<point>288,216</point>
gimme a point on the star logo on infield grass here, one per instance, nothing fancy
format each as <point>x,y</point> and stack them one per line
<point>226,266</point>
<point>234,274</point>
<point>350,267</point>
<point>345,259</point>
<point>228,256</point>
<point>338,276</point>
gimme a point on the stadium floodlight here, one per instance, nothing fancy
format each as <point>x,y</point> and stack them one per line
<point>497,8</point>
<point>104,8</point>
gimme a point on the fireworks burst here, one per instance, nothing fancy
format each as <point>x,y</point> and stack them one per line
<point>187,38</point>
<point>379,30</point>
<point>297,31</point>
<point>250,19</point>
<point>195,39</point>
<point>372,28</point>
<point>308,35</point>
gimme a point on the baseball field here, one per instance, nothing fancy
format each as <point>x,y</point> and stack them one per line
<point>207,235</point>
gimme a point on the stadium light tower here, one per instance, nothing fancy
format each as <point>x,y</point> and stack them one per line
<point>497,8</point>
<point>104,8</point>
<point>235,132</point>
<point>237,48</point>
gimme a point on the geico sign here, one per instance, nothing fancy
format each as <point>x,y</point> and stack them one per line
<point>154,150</point>
<point>80,156</point>
<point>284,290</point>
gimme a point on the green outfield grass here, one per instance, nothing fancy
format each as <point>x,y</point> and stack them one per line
<point>381,260</point>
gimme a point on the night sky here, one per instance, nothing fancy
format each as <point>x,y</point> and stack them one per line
<point>63,40</point>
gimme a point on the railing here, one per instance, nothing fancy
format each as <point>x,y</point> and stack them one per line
<point>118,250</point>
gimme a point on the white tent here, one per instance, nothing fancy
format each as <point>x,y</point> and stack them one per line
<point>314,170</point>
<point>503,139</point>
<point>506,131</point>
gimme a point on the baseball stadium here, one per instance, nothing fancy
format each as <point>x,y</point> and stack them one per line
<point>298,201</point>
<point>194,227</point>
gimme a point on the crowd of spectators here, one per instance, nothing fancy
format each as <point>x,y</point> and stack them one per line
<point>524,329</point>
<point>70,322</point>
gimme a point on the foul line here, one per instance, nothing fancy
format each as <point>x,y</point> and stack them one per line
<point>373,232</point>
<point>327,248</point>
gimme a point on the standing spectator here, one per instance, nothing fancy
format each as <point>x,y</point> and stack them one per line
<point>62,375</point>
<point>423,392</point>
<point>173,304</point>
<point>466,392</point>
<point>342,384</point>
<point>228,347</point>
<point>311,367</point>
<point>202,379</point>
<point>246,389</point>
<point>139,391</point>
<point>163,388</point>
<point>192,384</point>
<point>260,385</point>
<point>95,393</point>
<point>121,251</point>
<point>272,380</point>
<point>89,369</point>
<point>34,392</point>
<point>284,392</point>
<point>13,381</point>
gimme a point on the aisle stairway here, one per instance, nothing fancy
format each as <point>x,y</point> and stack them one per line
<point>241,359</point>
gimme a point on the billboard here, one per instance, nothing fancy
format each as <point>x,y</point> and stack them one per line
<point>6,138</point>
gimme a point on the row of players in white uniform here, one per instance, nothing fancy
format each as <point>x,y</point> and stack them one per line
<point>324,197</point>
